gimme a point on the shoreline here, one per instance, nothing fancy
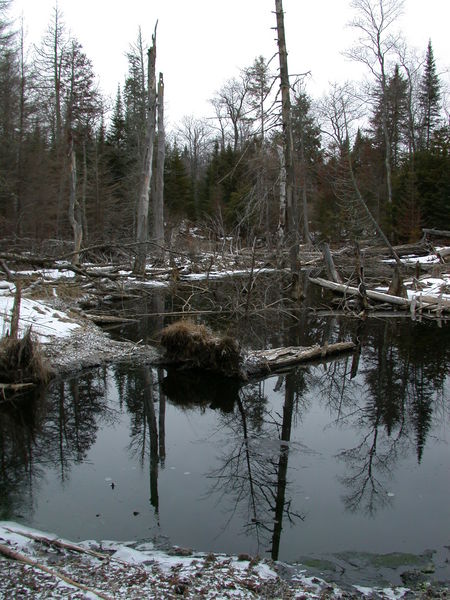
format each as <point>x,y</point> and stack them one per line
<point>43,565</point>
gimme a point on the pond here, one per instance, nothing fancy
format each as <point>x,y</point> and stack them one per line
<point>335,465</point>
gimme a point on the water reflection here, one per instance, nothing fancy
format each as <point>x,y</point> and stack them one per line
<point>57,428</point>
<point>356,421</point>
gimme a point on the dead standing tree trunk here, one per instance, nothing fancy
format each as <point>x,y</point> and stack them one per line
<point>146,176</point>
<point>288,140</point>
<point>75,213</point>
<point>158,200</point>
<point>282,212</point>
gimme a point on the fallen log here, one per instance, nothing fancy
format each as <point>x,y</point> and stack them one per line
<point>262,362</point>
<point>436,232</point>
<point>108,319</point>
<point>425,302</point>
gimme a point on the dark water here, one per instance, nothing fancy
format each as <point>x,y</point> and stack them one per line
<point>329,461</point>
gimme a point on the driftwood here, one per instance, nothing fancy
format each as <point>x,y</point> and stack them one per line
<point>261,362</point>
<point>422,302</point>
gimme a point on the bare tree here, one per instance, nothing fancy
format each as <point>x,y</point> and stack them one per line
<point>230,105</point>
<point>373,21</point>
<point>195,135</point>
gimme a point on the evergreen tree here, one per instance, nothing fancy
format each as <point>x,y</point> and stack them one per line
<point>116,150</point>
<point>9,109</point>
<point>395,106</point>
<point>178,190</point>
<point>429,99</point>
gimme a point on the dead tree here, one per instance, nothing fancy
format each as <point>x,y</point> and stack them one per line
<point>288,140</point>
<point>75,212</point>
<point>158,200</point>
<point>146,175</point>
<point>282,212</point>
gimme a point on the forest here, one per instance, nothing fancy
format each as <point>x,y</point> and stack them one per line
<point>366,153</point>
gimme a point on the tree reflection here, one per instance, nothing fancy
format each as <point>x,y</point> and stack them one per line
<point>140,389</point>
<point>19,424</point>
<point>254,469</point>
<point>54,429</point>
<point>391,402</point>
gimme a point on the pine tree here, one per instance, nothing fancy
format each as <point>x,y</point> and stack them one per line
<point>396,117</point>
<point>429,99</point>
<point>178,193</point>
<point>116,148</point>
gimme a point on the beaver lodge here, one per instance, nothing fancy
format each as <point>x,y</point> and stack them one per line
<point>195,346</point>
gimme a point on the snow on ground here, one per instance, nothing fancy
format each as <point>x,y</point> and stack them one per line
<point>222,274</point>
<point>45,322</point>
<point>37,564</point>
<point>412,259</point>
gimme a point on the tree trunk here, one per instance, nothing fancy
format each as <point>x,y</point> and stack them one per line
<point>75,216</point>
<point>146,175</point>
<point>282,212</point>
<point>288,141</point>
<point>158,200</point>
<point>329,264</point>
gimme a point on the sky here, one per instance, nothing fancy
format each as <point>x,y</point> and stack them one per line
<point>202,43</point>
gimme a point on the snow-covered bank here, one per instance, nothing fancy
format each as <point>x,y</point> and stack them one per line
<point>69,343</point>
<point>46,322</point>
<point>34,564</point>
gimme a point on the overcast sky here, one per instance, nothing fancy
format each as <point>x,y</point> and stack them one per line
<point>202,43</point>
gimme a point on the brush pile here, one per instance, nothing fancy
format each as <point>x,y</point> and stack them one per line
<point>196,346</point>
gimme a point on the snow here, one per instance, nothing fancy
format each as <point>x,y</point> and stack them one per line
<point>46,322</point>
<point>412,259</point>
<point>391,594</point>
<point>222,274</point>
<point>130,556</point>
<point>48,274</point>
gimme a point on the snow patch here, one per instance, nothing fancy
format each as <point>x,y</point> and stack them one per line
<point>45,322</point>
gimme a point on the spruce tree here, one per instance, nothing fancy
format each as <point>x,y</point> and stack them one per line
<point>429,99</point>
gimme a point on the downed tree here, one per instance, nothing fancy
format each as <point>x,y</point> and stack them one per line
<point>195,346</point>
<point>421,302</point>
<point>262,362</point>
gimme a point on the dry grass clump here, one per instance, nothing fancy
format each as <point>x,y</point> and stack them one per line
<point>21,360</point>
<point>196,346</point>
